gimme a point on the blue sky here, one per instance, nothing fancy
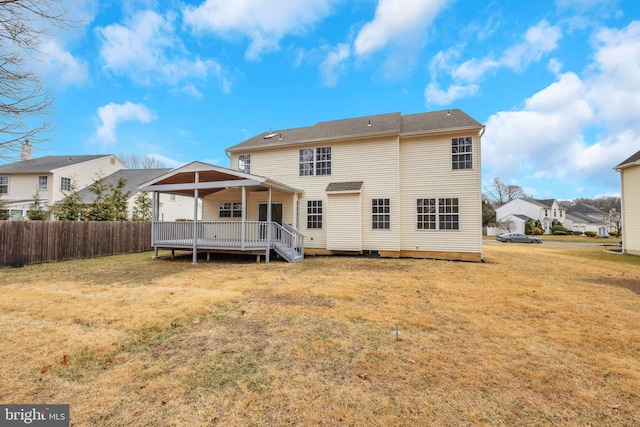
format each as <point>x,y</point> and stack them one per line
<point>557,83</point>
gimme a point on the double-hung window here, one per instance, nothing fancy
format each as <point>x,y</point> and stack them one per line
<point>4,184</point>
<point>462,153</point>
<point>315,161</point>
<point>42,182</point>
<point>65,184</point>
<point>380,214</point>
<point>244,163</point>
<point>314,214</point>
<point>230,210</point>
<point>438,214</point>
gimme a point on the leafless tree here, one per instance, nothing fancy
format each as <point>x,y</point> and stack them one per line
<point>25,103</point>
<point>500,193</point>
<point>136,161</point>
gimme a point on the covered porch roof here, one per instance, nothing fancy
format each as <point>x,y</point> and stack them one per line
<point>198,179</point>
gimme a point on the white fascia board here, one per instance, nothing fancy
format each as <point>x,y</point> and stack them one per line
<point>201,185</point>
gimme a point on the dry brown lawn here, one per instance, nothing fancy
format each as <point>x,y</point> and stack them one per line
<point>537,335</point>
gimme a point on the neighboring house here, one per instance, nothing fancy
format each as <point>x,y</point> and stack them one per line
<point>392,185</point>
<point>511,223</point>
<point>172,207</point>
<point>630,191</point>
<point>50,177</point>
<point>543,210</point>
<point>583,217</point>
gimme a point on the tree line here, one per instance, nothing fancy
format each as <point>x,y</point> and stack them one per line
<point>109,203</point>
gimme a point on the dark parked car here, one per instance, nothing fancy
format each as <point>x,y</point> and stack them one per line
<point>517,238</point>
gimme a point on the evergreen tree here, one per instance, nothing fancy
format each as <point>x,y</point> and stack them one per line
<point>142,207</point>
<point>117,199</point>
<point>99,209</point>
<point>37,211</point>
<point>4,213</point>
<point>71,207</point>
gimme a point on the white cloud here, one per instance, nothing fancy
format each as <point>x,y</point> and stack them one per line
<point>264,22</point>
<point>576,128</point>
<point>62,68</point>
<point>111,115</point>
<point>147,50</point>
<point>334,63</point>
<point>615,83</point>
<point>539,40</point>
<point>396,21</point>
<point>434,95</point>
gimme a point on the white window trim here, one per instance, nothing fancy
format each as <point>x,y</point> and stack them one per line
<point>383,214</point>
<point>437,214</point>
<point>46,183</point>
<point>62,178</point>
<point>315,161</point>
<point>454,155</point>
<point>244,163</point>
<point>4,178</point>
<point>320,214</point>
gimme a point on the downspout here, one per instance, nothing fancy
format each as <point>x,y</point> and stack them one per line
<point>622,245</point>
<point>195,219</point>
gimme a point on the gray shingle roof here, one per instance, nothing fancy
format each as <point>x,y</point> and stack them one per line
<point>580,217</point>
<point>382,124</point>
<point>47,163</point>
<point>584,209</point>
<point>344,186</point>
<point>134,178</point>
<point>546,203</point>
<point>633,159</point>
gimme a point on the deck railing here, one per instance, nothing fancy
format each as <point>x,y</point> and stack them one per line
<point>210,234</point>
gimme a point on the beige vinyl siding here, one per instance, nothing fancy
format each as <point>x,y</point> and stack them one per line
<point>371,160</point>
<point>211,204</point>
<point>343,219</point>
<point>426,172</point>
<point>631,209</point>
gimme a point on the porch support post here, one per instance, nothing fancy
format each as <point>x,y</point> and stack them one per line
<point>244,217</point>
<point>154,219</point>
<point>195,219</point>
<point>266,256</point>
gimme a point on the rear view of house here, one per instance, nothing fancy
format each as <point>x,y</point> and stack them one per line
<point>391,185</point>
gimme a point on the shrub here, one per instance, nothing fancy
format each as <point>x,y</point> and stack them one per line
<point>558,227</point>
<point>577,233</point>
<point>590,233</point>
<point>560,233</point>
<point>537,231</point>
<point>614,234</point>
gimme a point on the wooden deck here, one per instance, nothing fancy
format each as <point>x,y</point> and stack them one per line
<point>254,237</point>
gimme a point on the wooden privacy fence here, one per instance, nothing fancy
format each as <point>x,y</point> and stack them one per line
<point>34,242</point>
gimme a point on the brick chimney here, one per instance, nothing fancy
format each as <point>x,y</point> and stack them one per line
<point>26,151</point>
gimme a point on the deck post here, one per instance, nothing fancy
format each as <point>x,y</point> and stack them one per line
<point>195,219</point>
<point>266,256</point>
<point>155,196</point>
<point>244,216</point>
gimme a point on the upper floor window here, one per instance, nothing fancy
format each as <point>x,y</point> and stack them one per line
<point>230,210</point>
<point>244,163</point>
<point>462,153</point>
<point>380,214</point>
<point>438,214</point>
<point>42,182</point>
<point>4,184</point>
<point>65,184</point>
<point>315,161</point>
<point>314,214</point>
